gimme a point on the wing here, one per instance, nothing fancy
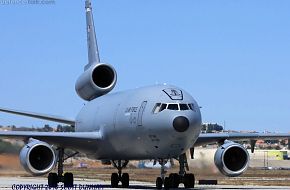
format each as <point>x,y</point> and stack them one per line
<point>61,139</point>
<point>79,140</point>
<point>73,140</point>
<point>58,119</point>
<point>208,138</point>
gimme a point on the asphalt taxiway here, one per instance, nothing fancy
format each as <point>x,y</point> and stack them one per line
<point>39,183</point>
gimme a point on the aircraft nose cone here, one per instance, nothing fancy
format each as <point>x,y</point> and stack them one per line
<point>180,123</point>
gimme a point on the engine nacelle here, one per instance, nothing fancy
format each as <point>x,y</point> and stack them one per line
<point>96,81</point>
<point>37,157</point>
<point>232,159</point>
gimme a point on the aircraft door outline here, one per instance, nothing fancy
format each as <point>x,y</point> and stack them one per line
<point>140,113</point>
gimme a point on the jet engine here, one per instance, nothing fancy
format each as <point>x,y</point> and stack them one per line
<point>96,81</point>
<point>232,159</point>
<point>37,157</point>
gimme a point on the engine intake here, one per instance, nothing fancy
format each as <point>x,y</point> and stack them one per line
<point>96,81</point>
<point>37,157</point>
<point>232,159</point>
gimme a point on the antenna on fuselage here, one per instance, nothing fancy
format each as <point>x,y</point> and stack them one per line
<point>93,52</point>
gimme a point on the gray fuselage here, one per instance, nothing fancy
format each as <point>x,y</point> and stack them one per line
<point>133,126</point>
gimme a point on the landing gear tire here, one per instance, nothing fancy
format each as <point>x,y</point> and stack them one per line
<point>192,180</point>
<point>52,180</point>
<point>119,177</point>
<point>114,180</point>
<point>68,180</point>
<point>159,183</point>
<point>125,180</point>
<point>189,180</point>
<point>175,180</point>
<point>167,183</point>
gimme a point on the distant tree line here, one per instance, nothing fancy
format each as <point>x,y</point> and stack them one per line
<point>45,128</point>
<point>14,148</point>
<point>211,128</point>
<point>65,128</point>
<point>9,148</point>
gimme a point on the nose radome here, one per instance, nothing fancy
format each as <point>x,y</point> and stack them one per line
<point>180,123</point>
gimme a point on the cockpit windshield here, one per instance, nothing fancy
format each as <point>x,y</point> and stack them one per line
<point>159,107</point>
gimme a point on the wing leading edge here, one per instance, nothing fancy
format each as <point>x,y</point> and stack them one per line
<point>61,139</point>
<point>207,138</point>
<point>48,117</point>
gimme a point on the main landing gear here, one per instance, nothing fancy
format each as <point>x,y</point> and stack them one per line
<point>54,178</point>
<point>175,179</point>
<point>119,177</point>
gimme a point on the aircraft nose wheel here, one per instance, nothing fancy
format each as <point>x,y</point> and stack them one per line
<point>114,180</point>
<point>159,183</point>
<point>119,177</point>
<point>125,180</point>
<point>175,179</point>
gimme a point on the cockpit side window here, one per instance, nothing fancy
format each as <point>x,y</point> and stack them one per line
<point>163,107</point>
<point>191,106</point>
<point>157,108</point>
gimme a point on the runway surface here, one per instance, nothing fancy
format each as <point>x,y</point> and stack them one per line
<point>39,183</point>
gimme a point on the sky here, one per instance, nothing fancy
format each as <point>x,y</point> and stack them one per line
<point>233,57</point>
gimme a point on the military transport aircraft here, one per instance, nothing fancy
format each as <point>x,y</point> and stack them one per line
<point>160,123</point>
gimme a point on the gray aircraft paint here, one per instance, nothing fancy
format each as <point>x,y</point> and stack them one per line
<point>113,127</point>
<point>115,116</point>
